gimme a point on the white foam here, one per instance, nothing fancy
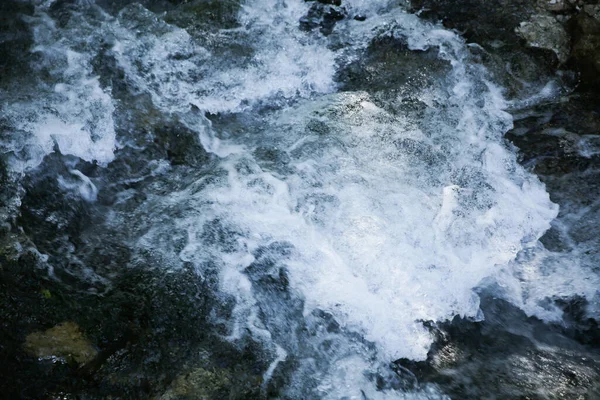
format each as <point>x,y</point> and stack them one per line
<point>349,374</point>
<point>394,219</point>
<point>70,111</point>
<point>539,276</point>
<point>82,185</point>
<point>386,233</point>
<point>285,63</point>
<point>382,259</point>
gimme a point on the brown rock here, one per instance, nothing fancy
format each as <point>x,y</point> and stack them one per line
<point>63,341</point>
<point>198,384</point>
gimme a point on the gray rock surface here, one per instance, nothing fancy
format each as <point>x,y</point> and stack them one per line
<point>511,30</point>
<point>545,32</point>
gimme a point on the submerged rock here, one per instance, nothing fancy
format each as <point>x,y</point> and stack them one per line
<point>208,14</point>
<point>389,59</point>
<point>64,341</point>
<point>323,15</point>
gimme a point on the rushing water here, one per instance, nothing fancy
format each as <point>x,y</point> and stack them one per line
<point>339,195</point>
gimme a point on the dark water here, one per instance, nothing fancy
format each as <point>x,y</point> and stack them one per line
<point>288,200</point>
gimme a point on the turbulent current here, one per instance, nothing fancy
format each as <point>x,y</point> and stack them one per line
<point>340,183</point>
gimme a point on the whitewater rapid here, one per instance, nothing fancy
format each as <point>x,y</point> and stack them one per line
<point>322,201</point>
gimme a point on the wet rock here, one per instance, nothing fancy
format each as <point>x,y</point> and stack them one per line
<point>388,59</point>
<point>579,325</point>
<point>198,384</point>
<point>479,21</point>
<point>212,384</point>
<point>557,6</point>
<point>585,50</point>
<point>10,192</point>
<point>322,16</point>
<point>157,340</point>
<point>54,218</point>
<point>493,25</point>
<point>158,6</point>
<point>15,39</point>
<point>331,2</point>
<point>545,32</point>
<point>475,360</point>
<point>273,158</point>
<point>560,142</point>
<point>207,14</point>
<point>593,10</point>
<point>25,309</point>
<point>182,145</point>
<point>147,329</point>
<point>65,341</point>
<point>15,42</point>
<point>61,11</point>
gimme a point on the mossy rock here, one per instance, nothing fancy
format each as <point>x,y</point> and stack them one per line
<point>213,383</point>
<point>198,384</point>
<point>64,341</point>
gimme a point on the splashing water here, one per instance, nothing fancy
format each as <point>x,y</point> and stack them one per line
<point>327,203</point>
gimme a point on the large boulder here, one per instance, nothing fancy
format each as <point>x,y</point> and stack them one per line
<point>484,360</point>
<point>519,42</point>
<point>479,21</point>
<point>545,32</point>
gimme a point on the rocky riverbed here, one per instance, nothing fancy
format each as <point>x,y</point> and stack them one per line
<point>103,293</point>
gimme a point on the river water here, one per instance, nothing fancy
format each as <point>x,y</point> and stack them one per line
<point>339,181</point>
